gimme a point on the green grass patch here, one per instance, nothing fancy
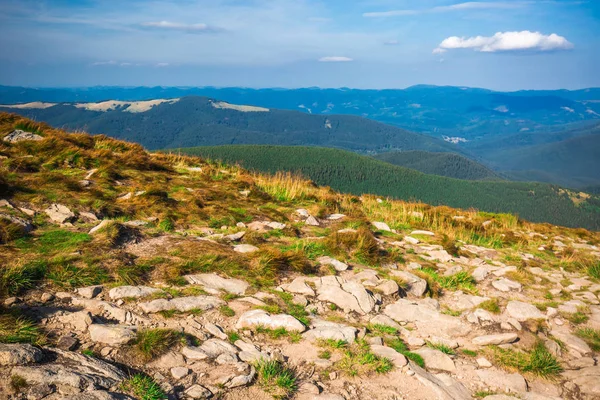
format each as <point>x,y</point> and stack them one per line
<point>143,387</point>
<point>594,271</point>
<point>591,337</point>
<point>19,330</point>
<point>469,353</point>
<point>280,333</point>
<point>276,378</point>
<point>398,345</point>
<point>490,305</point>
<point>358,360</point>
<point>18,383</point>
<point>539,361</point>
<point>382,329</point>
<point>442,347</point>
<point>226,311</point>
<point>151,343</point>
<point>233,336</point>
<point>459,281</point>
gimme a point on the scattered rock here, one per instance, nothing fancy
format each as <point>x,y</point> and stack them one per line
<point>111,334</point>
<point>502,381</point>
<point>214,283</point>
<point>19,354</point>
<point>381,226</point>
<point>19,135</point>
<point>59,214</point>
<point>321,329</point>
<point>501,338</point>
<point>245,248</point>
<point>198,392</point>
<point>255,318</point>
<point>123,292</point>
<point>338,265</point>
<point>523,311</point>
<point>182,304</point>
<point>435,359</point>
<point>179,372</point>
<point>396,358</point>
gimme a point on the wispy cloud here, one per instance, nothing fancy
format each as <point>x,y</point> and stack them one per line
<point>393,42</point>
<point>176,26</point>
<point>472,5</point>
<point>506,41</point>
<point>100,63</point>
<point>335,59</point>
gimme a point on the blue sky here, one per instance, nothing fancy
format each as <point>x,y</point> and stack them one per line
<point>497,44</point>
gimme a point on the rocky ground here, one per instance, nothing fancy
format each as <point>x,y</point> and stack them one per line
<point>297,298</point>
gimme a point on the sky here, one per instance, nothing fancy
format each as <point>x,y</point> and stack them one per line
<point>495,44</point>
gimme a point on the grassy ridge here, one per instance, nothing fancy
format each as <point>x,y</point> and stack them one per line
<point>352,173</point>
<point>443,164</point>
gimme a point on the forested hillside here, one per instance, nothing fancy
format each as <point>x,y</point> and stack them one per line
<point>443,164</point>
<point>196,121</point>
<point>352,173</point>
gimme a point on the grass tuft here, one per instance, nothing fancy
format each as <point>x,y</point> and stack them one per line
<point>143,387</point>
<point>276,378</point>
<point>151,343</point>
<point>539,361</point>
<point>591,337</point>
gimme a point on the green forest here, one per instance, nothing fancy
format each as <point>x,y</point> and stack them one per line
<point>352,173</point>
<point>443,164</point>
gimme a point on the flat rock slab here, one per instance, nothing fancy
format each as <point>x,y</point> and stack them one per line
<point>298,286</point>
<point>502,381</point>
<point>506,285</point>
<point>216,283</point>
<point>260,318</point>
<point>321,329</point>
<point>123,292</point>
<point>182,304</point>
<point>435,359</point>
<point>213,348</point>
<point>59,213</point>
<point>245,248</point>
<point>501,338</point>
<point>523,311</point>
<point>111,334</point>
<point>396,358</point>
<point>586,379</point>
<point>19,354</point>
<point>338,265</point>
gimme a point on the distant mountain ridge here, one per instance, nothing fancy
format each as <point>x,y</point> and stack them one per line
<point>195,121</point>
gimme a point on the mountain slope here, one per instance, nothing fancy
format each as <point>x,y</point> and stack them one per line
<point>352,173</point>
<point>444,164</point>
<point>574,162</point>
<point>196,121</point>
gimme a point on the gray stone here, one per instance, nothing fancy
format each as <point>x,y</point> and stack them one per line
<point>182,304</point>
<point>396,358</point>
<point>523,311</point>
<point>194,353</point>
<point>19,135</point>
<point>89,292</point>
<point>255,318</point>
<point>123,292</point>
<point>67,342</point>
<point>215,330</point>
<point>213,348</point>
<point>381,226</point>
<point>25,225</point>
<point>78,320</point>
<point>59,214</point>
<point>321,329</point>
<point>586,379</point>
<point>179,372</point>
<point>502,381</point>
<point>38,392</point>
<point>415,285</point>
<point>435,359</point>
<point>104,223</point>
<point>388,287</point>
<point>111,334</point>
<point>245,248</point>
<point>421,232</point>
<point>506,285</point>
<point>311,221</point>
<point>216,283</point>
<point>338,265</point>
<point>198,392</point>
<point>444,386</point>
<point>299,286</point>
<point>501,338</point>
<point>19,354</point>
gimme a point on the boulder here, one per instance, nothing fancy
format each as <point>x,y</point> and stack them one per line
<point>388,287</point>
<point>19,135</point>
<point>182,304</point>
<point>255,318</point>
<point>506,285</point>
<point>299,286</point>
<point>502,381</point>
<point>215,283</point>
<point>435,359</point>
<point>338,265</point>
<point>523,311</point>
<point>415,285</point>
<point>112,334</point>
<point>396,358</point>
<point>586,379</point>
<point>79,320</point>
<point>198,392</point>
<point>59,214</point>
<point>213,348</point>
<point>501,338</point>
<point>123,292</point>
<point>89,292</point>
<point>22,223</point>
<point>381,226</point>
<point>444,386</point>
<point>245,248</point>
<point>19,354</point>
<point>321,329</point>
<point>311,221</point>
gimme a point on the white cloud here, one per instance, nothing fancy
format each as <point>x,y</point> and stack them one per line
<point>335,59</point>
<point>471,5</point>
<point>391,43</point>
<point>98,63</point>
<point>506,41</point>
<point>176,26</point>
<point>162,64</point>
